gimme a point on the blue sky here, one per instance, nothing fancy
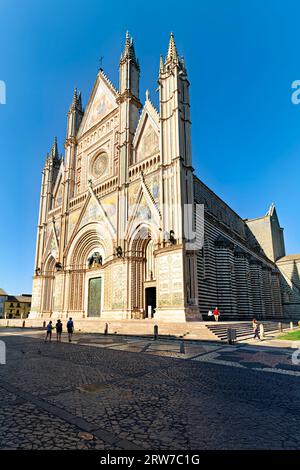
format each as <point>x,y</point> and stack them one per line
<point>241,56</point>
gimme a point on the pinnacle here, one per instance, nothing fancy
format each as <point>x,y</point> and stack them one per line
<point>129,52</point>
<point>172,53</point>
<point>76,101</point>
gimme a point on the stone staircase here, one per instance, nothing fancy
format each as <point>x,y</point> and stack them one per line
<point>244,330</point>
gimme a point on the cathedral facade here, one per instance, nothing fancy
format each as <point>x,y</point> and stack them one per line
<point>126,230</point>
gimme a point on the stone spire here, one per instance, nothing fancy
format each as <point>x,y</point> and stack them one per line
<point>129,52</point>
<point>76,102</point>
<point>74,115</point>
<point>54,155</point>
<point>79,100</point>
<point>161,64</point>
<point>172,54</point>
<point>54,149</point>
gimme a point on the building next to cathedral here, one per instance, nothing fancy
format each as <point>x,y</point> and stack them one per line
<point>112,240</point>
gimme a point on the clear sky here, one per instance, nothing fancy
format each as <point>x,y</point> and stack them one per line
<point>241,57</point>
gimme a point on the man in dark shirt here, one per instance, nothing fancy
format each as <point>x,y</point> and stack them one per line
<point>70,328</point>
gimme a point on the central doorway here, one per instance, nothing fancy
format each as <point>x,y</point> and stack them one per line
<point>94,297</point>
<point>150,295</point>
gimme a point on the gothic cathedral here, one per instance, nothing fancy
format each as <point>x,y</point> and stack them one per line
<point>120,212</point>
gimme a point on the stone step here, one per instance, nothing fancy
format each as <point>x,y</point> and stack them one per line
<point>242,331</point>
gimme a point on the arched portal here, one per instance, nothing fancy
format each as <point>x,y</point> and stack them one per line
<point>86,257</point>
<point>49,285</point>
<point>143,273</point>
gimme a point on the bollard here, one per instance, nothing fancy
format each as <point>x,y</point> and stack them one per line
<point>261,331</point>
<point>231,335</point>
<point>23,324</point>
<point>106,329</point>
<point>155,332</point>
<point>182,348</point>
<point>44,324</point>
<point>280,327</point>
<point>291,325</point>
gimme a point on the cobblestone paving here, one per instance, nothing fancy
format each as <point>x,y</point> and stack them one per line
<point>132,393</point>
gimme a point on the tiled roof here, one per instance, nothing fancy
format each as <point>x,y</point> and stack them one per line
<point>19,298</point>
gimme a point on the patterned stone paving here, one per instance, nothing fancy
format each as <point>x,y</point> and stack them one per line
<point>136,393</point>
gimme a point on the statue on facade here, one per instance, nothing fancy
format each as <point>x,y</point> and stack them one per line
<point>58,266</point>
<point>119,252</point>
<point>95,260</point>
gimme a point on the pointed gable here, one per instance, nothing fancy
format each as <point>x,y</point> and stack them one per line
<point>102,101</point>
<point>272,213</point>
<point>146,140</point>
<point>51,246</point>
<point>92,213</point>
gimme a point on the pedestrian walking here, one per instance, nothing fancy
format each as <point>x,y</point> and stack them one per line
<point>210,314</point>
<point>255,326</point>
<point>216,314</point>
<point>59,327</point>
<point>70,328</point>
<point>49,332</point>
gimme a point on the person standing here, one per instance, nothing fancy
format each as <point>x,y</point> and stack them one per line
<point>216,314</point>
<point>70,328</point>
<point>210,314</point>
<point>58,327</point>
<point>255,326</point>
<point>49,332</point>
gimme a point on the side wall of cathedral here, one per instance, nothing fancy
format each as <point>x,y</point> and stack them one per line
<point>289,267</point>
<point>233,272</point>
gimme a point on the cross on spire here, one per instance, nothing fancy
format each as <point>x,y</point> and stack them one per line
<point>101,62</point>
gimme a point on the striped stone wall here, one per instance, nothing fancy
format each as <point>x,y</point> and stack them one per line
<point>232,271</point>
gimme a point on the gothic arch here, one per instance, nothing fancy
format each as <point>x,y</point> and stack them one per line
<point>48,284</point>
<point>141,246</point>
<point>92,236</point>
<point>141,235</point>
<point>50,265</point>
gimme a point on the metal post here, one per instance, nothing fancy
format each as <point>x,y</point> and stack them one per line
<point>155,332</point>
<point>106,329</point>
<point>182,348</point>
<point>231,335</point>
<point>261,330</point>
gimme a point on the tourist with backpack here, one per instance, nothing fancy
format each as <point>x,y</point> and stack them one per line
<point>59,328</point>
<point>70,328</point>
<point>49,329</point>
